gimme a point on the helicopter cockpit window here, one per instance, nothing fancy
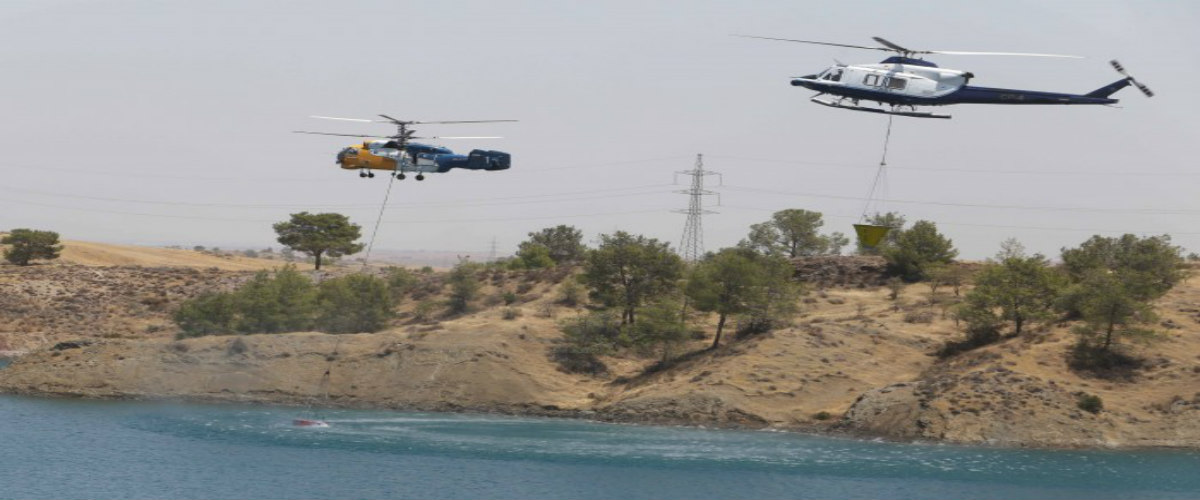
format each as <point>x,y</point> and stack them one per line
<point>896,83</point>
<point>836,75</point>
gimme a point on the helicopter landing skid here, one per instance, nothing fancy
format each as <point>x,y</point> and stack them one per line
<point>893,111</point>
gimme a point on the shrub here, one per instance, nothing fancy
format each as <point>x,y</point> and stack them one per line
<point>511,313</point>
<point>982,328</point>
<point>400,281</point>
<point>509,298</point>
<point>822,416</point>
<point>895,286</point>
<point>464,286</point>
<point>353,303</point>
<point>424,310</point>
<point>918,317</point>
<point>573,361</point>
<point>571,293</point>
<point>585,337</point>
<point>208,314</point>
<point>283,301</point>
<point>1112,363</point>
<point>238,346</point>
<point>1090,403</point>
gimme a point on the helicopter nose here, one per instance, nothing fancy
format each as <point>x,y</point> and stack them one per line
<point>804,81</point>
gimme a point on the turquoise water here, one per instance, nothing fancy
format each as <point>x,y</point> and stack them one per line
<point>88,449</point>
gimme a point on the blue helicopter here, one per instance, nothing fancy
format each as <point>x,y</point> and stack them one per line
<point>906,81</point>
<point>396,154</point>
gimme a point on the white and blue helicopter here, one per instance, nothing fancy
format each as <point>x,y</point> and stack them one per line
<point>906,81</point>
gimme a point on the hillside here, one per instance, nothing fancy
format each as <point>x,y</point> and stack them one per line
<point>86,253</point>
<point>854,361</point>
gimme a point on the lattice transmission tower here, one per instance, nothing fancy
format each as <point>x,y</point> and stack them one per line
<point>691,247</point>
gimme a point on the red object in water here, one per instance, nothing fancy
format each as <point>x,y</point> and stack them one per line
<point>304,422</point>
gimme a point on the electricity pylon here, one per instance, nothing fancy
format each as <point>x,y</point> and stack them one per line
<point>691,247</point>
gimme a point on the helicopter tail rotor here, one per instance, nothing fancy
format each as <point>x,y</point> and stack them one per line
<point>1140,86</point>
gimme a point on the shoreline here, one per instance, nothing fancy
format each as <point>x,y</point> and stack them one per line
<point>593,416</point>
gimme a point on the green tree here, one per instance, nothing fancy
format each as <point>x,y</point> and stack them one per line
<point>353,303</point>
<point>1023,289</point>
<point>586,337</point>
<point>564,244</point>
<point>532,255</point>
<point>1148,267</point>
<point>626,270</point>
<point>283,301</point>
<point>890,219</point>
<point>29,244</point>
<point>318,235</point>
<point>464,285</point>
<point>659,327</point>
<point>738,281</point>
<point>981,324</point>
<point>1111,308</point>
<point>207,314</point>
<point>795,233</point>
<point>400,281</point>
<point>916,248</point>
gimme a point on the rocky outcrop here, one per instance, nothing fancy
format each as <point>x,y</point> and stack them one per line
<point>841,270</point>
<point>997,405</point>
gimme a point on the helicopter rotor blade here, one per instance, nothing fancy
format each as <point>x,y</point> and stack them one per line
<point>463,121</point>
<point>359,120</point>
<point>1140,86</point>
<point>1021,54</point>
<point>893,46</point>
<point>810,41</point>
<point>461,137</point>
<point>330,133</point>
<point>393,120</point>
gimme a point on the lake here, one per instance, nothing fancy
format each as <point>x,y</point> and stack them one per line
<point>60,448</point>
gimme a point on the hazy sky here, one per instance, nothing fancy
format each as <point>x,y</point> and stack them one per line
<point>169,122</point>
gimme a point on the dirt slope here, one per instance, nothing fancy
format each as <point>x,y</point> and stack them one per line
<point>88,253</point>
<point>1020,391</point>
<point>854,361</point>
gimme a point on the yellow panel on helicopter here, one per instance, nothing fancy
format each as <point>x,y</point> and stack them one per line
<point>361,157</point>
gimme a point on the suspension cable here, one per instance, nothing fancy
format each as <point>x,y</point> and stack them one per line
<point>880,175</point>
<point>378,220</point>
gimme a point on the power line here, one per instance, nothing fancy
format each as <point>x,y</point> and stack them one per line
<point>242,179</point>
<point>263,221</point>
<point>963,170</point>
<point>571,196</point>
<point>1148,211</point>
<point>995,226</point>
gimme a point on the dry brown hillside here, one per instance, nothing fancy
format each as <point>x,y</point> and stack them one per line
<point>87,253</point>
<point>854,361</point>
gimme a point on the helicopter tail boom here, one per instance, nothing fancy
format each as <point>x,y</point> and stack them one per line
<point>1110,89</point>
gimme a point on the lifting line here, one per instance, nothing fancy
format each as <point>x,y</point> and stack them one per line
<point>880,182</point>
<point>378,220</point>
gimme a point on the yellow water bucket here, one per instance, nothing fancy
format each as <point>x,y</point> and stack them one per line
<point>870,235</point>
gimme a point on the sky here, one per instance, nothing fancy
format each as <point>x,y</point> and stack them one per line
<point>170,123</point>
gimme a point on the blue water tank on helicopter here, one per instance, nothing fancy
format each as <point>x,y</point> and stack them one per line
<point>478,159</point>
<point>489,160</point>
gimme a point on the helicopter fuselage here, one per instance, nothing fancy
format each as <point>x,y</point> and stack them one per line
<point>417,158</point>
<point>902,81</point>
